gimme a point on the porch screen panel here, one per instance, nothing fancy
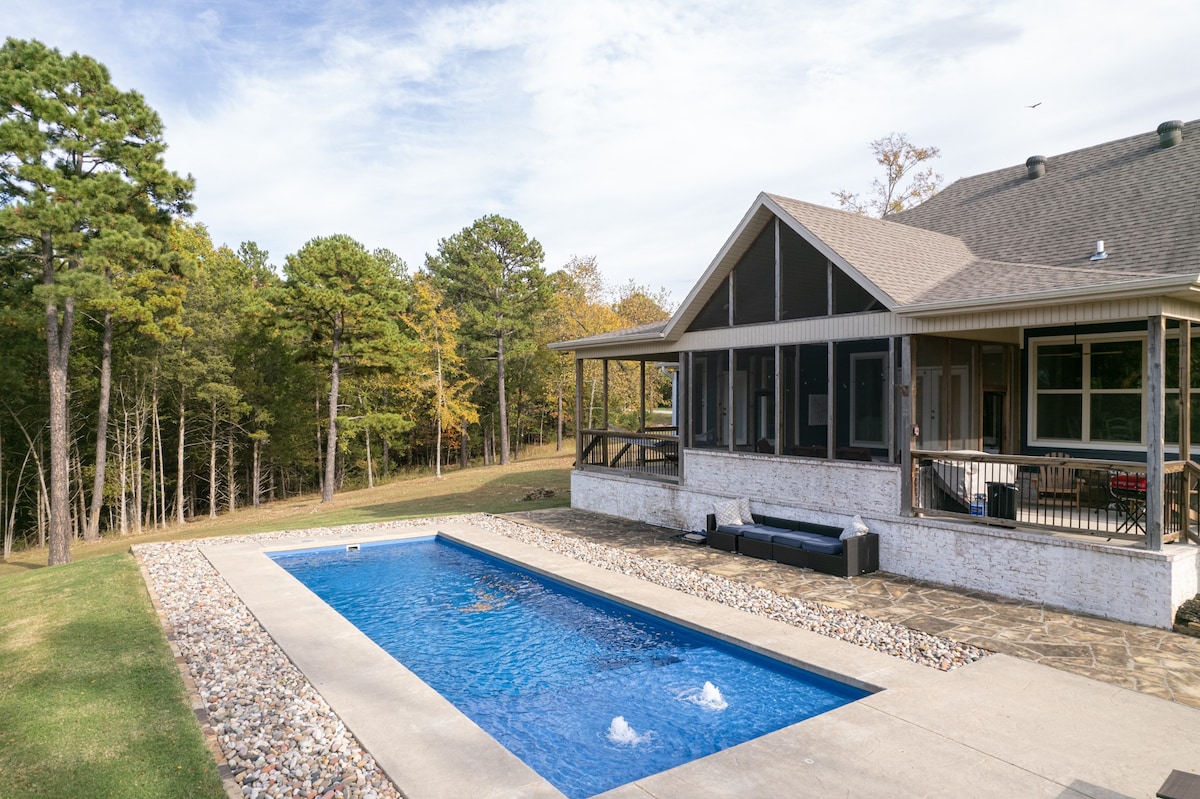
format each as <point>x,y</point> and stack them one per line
<point>965,428</point>
<point>803,277</point>
<point>708,386</point>
<point>862,406</point>
<point>754,281</point>
<point>715,312</point>
<point>849,297</point>
<point>868,400</point>
<point>754,400</point>
<point>1172,385</point>
<point>804,372</point>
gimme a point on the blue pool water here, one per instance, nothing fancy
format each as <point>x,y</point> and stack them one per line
<point>590,693</point>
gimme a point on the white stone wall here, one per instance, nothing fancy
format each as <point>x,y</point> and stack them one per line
<point>1121,583</point>
<point>830,487</point>
<point>1117,582</point>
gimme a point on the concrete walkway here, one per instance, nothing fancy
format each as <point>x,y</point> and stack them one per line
<point>1155,662</point>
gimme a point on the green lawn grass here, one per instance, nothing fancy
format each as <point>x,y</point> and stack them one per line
<point>91,701</point>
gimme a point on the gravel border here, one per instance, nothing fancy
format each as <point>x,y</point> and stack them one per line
<point>278,736</point>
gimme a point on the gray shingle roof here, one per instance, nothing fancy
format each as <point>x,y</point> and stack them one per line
<point>1003,234</point>
<point>649,330</point>
<point>903,261</point>
<point>1141,200</point>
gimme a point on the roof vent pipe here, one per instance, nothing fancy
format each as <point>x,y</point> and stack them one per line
<point>1036,166</point>
<point>1100,253</point>
<point>1170,133</point>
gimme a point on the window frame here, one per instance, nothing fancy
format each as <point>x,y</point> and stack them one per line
<point>1086,391</point>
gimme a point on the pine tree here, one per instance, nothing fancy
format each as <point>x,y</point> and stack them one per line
<point>82,187</point>
<point>491,274</point>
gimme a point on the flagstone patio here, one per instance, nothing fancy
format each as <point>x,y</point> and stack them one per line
<point>1147,660</point>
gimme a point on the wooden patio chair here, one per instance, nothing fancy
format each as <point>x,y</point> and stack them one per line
<point>1057,484</point>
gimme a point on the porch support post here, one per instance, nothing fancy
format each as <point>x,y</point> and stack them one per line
<point>892,442</point>
<point>578,413</point>
<point>1155,357</point>
<point>904,434</point>
<point>604,394</point>
<point>730,411</point>
<point>1185,393</point>
<point>830,399</point>
<point>642,403</point>
<point>604,415</point>
<point>778,385</point>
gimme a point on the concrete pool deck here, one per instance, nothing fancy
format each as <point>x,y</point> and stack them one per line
<point>999,727</point>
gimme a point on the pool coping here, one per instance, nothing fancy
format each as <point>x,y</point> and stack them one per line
<point>919,722</point>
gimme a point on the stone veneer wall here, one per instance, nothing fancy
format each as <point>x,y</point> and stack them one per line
<point>1078,575</point>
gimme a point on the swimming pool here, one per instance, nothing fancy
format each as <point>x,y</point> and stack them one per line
<point>589,693</point>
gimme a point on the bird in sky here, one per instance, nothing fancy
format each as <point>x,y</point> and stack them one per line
<point>1035,105</point>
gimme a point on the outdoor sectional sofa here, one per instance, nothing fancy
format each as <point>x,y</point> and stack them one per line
<point>809,546</point>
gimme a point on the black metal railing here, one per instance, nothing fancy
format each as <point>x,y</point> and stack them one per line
<point>1056,492</point>
<point>653,452</point>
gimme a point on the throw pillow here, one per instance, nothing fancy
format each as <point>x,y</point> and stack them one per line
<point>856,528</point>
<point>727,513</point>
<point>744,510</point>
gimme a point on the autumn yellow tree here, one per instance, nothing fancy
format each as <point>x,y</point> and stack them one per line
<point>440,376</point>
<point>904,184</point>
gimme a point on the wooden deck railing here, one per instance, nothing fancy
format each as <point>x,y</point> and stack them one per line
<point>1078,495</point>
<point>652,453</point>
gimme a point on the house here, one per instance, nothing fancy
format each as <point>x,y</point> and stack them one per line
<point>991,380</point>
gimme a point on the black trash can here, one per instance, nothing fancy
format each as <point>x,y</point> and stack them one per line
<point>1002,500</point>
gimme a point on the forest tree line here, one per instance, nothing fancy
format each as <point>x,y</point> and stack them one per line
<point>149,375</point>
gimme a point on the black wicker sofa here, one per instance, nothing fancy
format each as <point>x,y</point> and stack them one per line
<point>804,544</point>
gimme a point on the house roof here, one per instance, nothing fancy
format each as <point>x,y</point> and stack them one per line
<point>1002,235</point>
<point>1141,199</point>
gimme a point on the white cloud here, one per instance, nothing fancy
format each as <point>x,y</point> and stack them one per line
<point>638,132</point>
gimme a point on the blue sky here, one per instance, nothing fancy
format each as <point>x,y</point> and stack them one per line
<point>638,132</point>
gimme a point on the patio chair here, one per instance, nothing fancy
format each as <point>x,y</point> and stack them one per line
<point>1057,484</point>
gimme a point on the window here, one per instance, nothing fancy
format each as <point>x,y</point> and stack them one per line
<point>1089,390</point>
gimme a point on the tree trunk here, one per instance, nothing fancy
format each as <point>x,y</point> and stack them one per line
<point>179,519</point>
<point>123,450</point>
<point>162,463</point>
<point>230,479</point>
<point>80,514</point>
<point>331,442</point>
<point>502,402</point>
<point>152,506</point>
<point>212,463</point>
<point>370,466</point>
<point>139,426</point>
<point>256,478</point>
<point>438,414</point>
<point>92,531</point>
<point>464,447</point>
<point>58,351</point>
<point>559,440</point>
